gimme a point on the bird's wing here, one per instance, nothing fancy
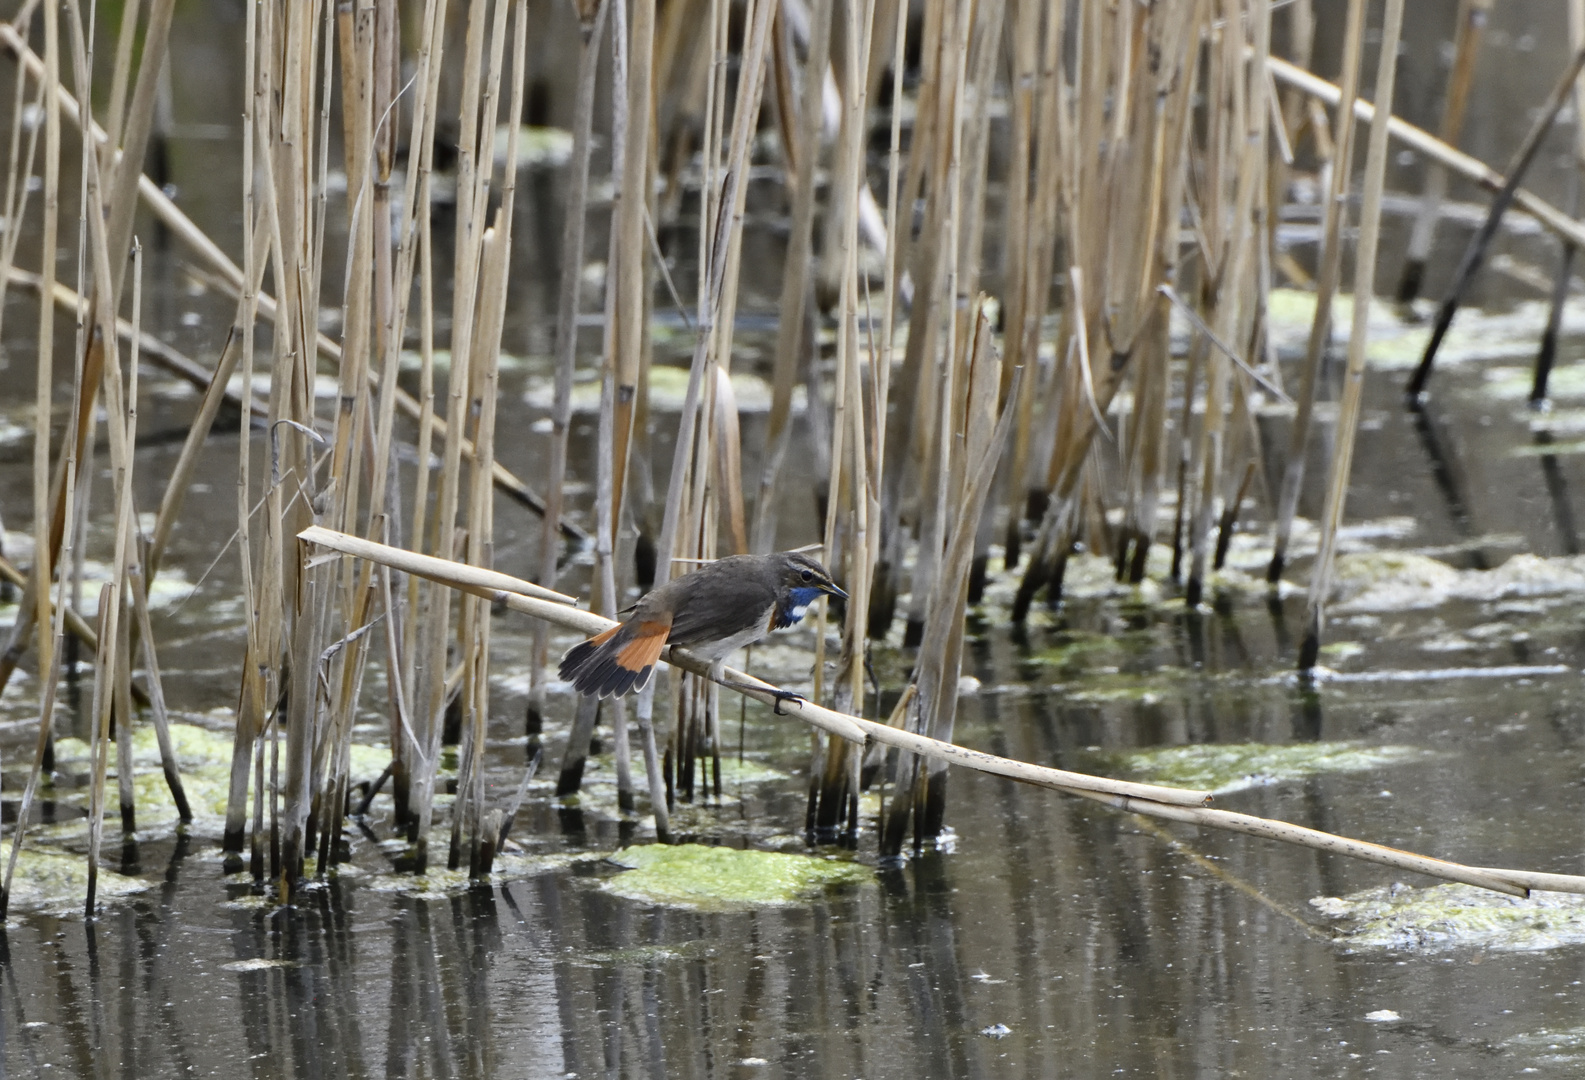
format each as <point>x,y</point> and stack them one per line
<point>720,605</point>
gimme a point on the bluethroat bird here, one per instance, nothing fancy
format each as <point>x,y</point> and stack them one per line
<point>713,611</point>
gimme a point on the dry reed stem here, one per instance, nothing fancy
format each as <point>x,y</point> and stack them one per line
<point>576,752</point>
<point>417,234</point>
<point>1423,142</point>
<point>43,545</point>
<point>576,212</point>
<point>1152,800</point>
<point>250,706</point>
<point>1354,377</point>
<point>850,488</point>
<point>795,279</point>
<point>851,727</point>
<point>156,352</point>
<point>631,325</point>
<point>1042,240</point>
<point>98,736</point>
<point>230,277</point>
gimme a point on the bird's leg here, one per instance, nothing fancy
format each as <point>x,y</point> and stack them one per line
<point>718,673</point>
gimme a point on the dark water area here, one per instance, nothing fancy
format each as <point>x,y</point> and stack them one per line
<point>1047,936</point>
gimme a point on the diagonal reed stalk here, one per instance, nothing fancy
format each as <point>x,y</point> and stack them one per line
<point>1173,804</point>
<point>1470,27</point>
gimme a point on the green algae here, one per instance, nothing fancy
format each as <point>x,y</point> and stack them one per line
<point>726,879</point>
<point>1514,383</point>
<point>1224,768</point>
<point>1395,581</point>
<point>1144,688</point>
<point>57,882</point>
<point>203,757</point>
<point>1445,917</point>
<point>1077,651</point>
<point>1390,581</point>
<point>439,883</point>
<point>1393,345</point>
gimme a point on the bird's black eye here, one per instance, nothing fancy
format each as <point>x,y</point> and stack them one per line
<point>808,575</point>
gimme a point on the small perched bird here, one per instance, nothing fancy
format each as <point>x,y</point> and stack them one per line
<point>714,611</point>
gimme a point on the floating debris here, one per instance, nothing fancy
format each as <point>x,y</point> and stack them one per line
<point>260,963</point>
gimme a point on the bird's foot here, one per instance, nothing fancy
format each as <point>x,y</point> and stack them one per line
<point>784,695</point>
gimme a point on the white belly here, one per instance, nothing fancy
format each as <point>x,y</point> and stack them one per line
<point>717,650</point>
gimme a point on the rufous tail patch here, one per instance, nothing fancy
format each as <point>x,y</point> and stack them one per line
<point>644,649</point>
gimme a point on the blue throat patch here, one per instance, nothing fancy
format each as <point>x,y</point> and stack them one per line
<point>791,610</point>
<point>804,595</point>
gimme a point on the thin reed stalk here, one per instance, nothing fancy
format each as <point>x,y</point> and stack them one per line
<point>1354,377</point>
<point>790,343</point>
<point>851,483</point>
<point>592,20</point>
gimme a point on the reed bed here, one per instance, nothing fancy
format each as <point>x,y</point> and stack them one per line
<point>1052,331</point>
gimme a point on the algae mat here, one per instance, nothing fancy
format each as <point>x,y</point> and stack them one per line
<point>726,879</point>
<point>1444,917</point>
<point>1222,768</point>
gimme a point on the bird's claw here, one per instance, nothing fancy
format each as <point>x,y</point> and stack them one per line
<point>781,696</point>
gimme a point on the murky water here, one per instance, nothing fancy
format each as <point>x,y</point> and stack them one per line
<point>1049,937</point>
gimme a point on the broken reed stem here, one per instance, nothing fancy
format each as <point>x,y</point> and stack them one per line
<point>1475,251</point>
<point>1547,352</point>
<point>1354,378</point>
<point>1471,25</point>
<point>158,353</point>
<point>1153,800</point>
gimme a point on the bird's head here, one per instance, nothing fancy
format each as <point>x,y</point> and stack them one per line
<point>806,579</point>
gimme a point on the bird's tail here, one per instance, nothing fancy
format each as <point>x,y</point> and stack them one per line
<point>616,662</point>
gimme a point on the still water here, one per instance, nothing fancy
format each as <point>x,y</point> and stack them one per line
<point>1047,937</point>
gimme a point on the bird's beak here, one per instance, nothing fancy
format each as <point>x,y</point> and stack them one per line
<point>832,589</point>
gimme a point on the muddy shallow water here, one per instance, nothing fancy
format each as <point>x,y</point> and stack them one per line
<point>1047,936</point>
